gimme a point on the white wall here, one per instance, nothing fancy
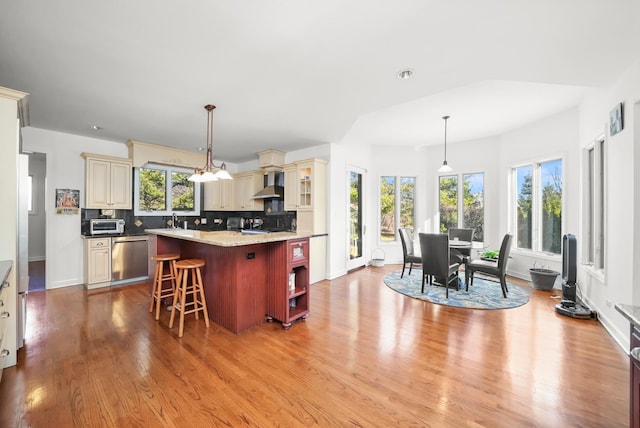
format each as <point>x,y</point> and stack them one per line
<point>465,157</point>
<point>553,137</point>
<point>65,170</point>
<point>344,156</point>
<point>623,196</point>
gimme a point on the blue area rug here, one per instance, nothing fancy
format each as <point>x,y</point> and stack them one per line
<point>483,294</point>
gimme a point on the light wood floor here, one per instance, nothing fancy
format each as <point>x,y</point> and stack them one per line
<point>367,356</point>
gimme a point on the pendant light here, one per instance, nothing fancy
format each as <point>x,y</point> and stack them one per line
<point>445,167</point>
<point>206,174</point>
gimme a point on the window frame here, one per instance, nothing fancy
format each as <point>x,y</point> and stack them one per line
<point>197,189</point>
<point>397,205</point>
<point>594,206</point>
<point>32,207</point>
<point>460,199</point>
<point>536,201</point>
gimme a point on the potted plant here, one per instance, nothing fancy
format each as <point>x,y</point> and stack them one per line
<point>491,255</point>
<point>542,278</point>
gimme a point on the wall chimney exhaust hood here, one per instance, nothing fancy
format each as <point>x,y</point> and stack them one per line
<point>271,162</point>
<point>273,186</point>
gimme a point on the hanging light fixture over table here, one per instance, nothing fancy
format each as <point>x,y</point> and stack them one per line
<point>445,167</point>
<point>206,174</point>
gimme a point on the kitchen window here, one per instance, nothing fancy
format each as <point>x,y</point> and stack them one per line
<point>537,206</point>
<point>161,190</point>
<point>397,208</point>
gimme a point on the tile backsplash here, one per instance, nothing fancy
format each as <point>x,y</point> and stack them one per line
<point>215,220</point>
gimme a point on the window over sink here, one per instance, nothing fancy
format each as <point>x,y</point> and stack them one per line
<point>161,190</point>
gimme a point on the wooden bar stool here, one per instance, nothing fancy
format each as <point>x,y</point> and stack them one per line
<point>159,291</point>
<point>185,288</point>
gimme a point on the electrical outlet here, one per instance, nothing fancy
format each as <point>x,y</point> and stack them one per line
<point>217,221</point>
<point>203,221</point>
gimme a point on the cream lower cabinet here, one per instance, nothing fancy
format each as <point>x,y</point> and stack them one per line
<point>5,315</point>
<point>317,258</point>
<point>97,262</point>
<point>108,182</point>
<point>306,193</point>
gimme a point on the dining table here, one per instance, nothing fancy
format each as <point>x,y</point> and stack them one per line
<point>453,244</point>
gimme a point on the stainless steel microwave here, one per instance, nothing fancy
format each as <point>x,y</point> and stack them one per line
<point>106,226</point>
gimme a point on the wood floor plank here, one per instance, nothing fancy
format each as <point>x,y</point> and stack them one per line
<point>366,356</point>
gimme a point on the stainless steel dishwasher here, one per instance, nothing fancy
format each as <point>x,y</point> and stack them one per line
<point>129,259</point>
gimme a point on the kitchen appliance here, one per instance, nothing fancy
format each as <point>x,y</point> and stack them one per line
<point>273,186</point>
<point>129,259</point>
<point>106,226</point>
<point>234,223</point>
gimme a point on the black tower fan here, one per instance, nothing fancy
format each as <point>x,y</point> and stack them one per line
<point>569,305</point>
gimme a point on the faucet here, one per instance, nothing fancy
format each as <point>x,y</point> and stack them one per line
<point>174,221</point>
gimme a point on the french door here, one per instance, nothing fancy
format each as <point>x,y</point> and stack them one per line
<point>355,217</point>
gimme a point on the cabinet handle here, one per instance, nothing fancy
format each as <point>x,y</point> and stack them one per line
<point>4,315</point>
<point>635,354</point>
<point>1,303</point>
<point>4,353</point>
<point>99,244</point>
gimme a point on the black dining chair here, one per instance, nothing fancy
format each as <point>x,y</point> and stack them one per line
<point>461,255</point>
<point>493,269</point>
<point>437,265</point>
<point>408,256</point>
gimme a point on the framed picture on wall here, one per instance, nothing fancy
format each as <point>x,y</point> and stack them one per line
<point>67,201</point>
<point>616,120</point>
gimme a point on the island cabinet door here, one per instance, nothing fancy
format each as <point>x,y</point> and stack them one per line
<point>251,286</point>
<point>234,283</point>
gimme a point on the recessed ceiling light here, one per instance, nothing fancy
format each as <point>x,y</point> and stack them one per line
<point>95,127</point>
<point>407,73</point>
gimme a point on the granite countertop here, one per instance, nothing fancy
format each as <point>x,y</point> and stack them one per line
<point>5,268</point>
<point>114,235</point>
<point>227,238</point>
<point>631,313</point>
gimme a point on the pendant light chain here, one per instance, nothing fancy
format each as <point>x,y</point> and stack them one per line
<point>206,174</point>
<point>445,166</point>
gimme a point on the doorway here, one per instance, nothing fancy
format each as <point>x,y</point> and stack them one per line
<point>36,200</point>
<point>355,221</point>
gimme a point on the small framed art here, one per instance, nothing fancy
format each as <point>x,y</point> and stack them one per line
<point>67,201</point>
<point>616,120</point>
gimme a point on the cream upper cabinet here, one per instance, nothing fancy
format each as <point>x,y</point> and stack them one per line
<point>290,187</point>
<point>246,185</point>
<point>218,195</point>
<point>108,182</point>
<point>305,184</point>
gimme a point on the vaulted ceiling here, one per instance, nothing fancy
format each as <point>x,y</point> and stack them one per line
<point>289,74</point>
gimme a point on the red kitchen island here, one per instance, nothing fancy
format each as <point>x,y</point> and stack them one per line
<point>247,278</point>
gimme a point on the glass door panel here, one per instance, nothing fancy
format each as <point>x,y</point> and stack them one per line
<point>355,218</point>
